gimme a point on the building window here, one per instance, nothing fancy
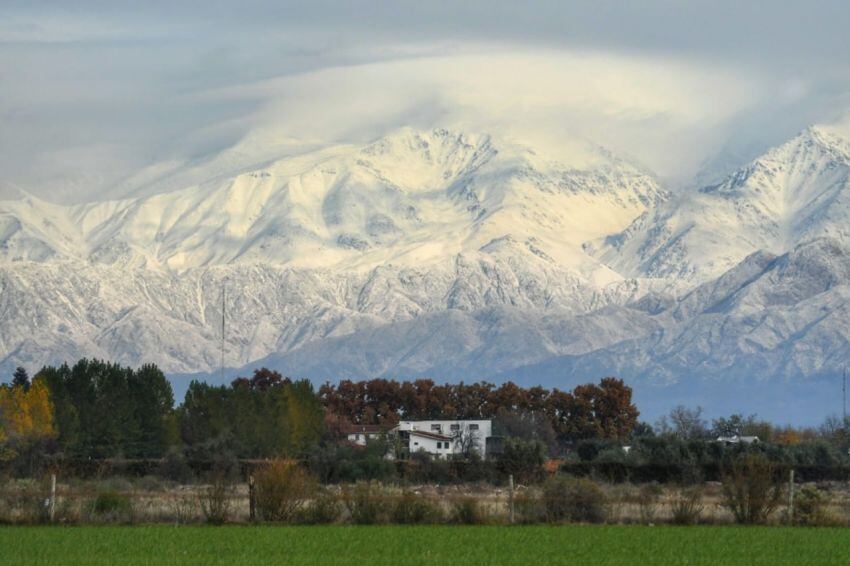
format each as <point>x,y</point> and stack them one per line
<point>436,428</point>
<point>473,427</point>
<point>455,427</point>
<point>416,444</point>
<point>439,445</point>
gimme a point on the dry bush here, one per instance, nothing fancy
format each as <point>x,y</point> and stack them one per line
<point>185,509</point>
<point>468,511</point>
<point>529,508</point>
<point>323,510</point>
<point>112,507</point>
<point>282,489</point>
<point>810,508</point>
<point>24,501</point>
<point>751,490</point>
<point>648,500</point>
<point>215,499</point>
<point>366,503</point>
<point>411,509</point>
<point>573,499</point>
<point>686,505</point>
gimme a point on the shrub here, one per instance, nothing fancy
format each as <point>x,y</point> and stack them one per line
<point>810,508</point>
<point>750,489</point>
<point>282,488</point>
<point>410,509</point>
<point>366,504</point>
<point>185,509</point>
<point>324,509</point>
<point>174,467</point>
<point>686,506</point>
<point>528,508</point>
<point>648,499</point>
<point>216,499</point>
<point>468,511</point>
<point>573,499</point>
<point>24,501</point>
<point>112,506</point>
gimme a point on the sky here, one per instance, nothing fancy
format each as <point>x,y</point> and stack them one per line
<point>97,95</point>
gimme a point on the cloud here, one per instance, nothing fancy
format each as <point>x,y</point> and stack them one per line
<point>95,91</point>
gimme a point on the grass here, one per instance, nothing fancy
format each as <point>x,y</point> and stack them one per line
<point>536,545</point>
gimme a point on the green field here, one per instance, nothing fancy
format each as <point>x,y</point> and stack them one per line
<point>533,545</point>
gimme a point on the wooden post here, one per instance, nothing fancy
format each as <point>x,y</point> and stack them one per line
<point>52,507</point>
<point>511,499</point>
<point>791,497</point>
<point>252,504</point>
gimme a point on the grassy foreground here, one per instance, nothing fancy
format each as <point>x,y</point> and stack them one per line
<point>535,545</point>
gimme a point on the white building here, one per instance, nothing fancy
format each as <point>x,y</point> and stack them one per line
<point>360,434</point>
<point>445,438</point>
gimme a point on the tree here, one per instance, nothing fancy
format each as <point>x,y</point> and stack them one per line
<point>106,410</point>
<point>683,423</point>
<point>21,379</point>
<point>26,417</point>
<point>524,460</point>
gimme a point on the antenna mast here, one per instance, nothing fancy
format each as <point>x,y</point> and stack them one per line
<point>223,324</point>
<point>844,398</point>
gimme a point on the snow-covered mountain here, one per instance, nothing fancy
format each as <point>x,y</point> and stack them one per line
<point>315,245</point>
<point>792,194</point>
<point>454,255</point>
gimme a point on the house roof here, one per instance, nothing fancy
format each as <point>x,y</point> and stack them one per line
<point>426,434</point>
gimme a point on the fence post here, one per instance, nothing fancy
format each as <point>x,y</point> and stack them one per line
<point>252,504</point>
<point>52,507</point>
<point>511,499</point>
<point>791,497</point>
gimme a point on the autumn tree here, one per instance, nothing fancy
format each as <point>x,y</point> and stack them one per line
<point>26,417</point>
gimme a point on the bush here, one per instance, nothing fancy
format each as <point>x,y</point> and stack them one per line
<point>573,499</point>
<point>174,467</point>
<point>411,509</point>
<point>324,509</point>
<point>112,506</point>
<point>216,499</point>
<point>282,489</point>
<point>24,501</point>
<point>528,508</point>
<point>686,506</point>
<point>468,511</point>
<point>648,499</point>
<point>366,504</point>
<point>810,508</point>
<point>750,489</point>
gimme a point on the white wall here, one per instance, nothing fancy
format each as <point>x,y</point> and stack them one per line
<point>429,445</point>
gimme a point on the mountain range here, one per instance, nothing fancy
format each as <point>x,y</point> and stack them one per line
<point>456,256</point>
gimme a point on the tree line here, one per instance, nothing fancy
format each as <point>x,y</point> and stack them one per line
<point>605,410</point>
<point>95,409</point>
